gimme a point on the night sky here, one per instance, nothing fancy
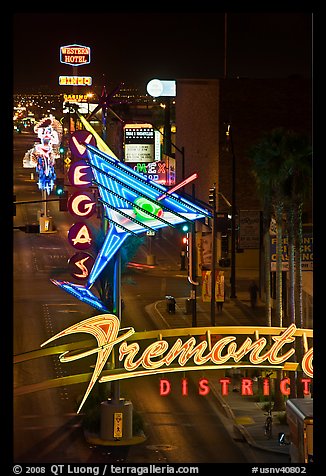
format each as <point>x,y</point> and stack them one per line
<point>137,47</point>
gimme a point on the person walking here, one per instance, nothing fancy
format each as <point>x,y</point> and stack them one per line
<point>253,291</point>
<point>219,305</point>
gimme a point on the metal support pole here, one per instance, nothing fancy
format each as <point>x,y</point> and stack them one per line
<point>115,389</point>
<point>233,293</point>
<point>193,271</point>
<point>167,128</point>
<point>193,295</point>
<point>183,163</point>
<point>213,270</point>
<point>44,199</point>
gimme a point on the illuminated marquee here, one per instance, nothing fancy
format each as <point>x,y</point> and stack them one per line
<point>75,81</point>
<point>163,356</point>
<point>75,55</point>
<point>139,143</point>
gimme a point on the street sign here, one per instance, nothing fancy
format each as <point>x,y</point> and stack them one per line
<point>117,426</point>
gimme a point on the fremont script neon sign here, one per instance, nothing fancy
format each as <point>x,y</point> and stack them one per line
<point>163,356</point>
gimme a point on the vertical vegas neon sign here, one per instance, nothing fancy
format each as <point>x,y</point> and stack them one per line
<point>81,205</point>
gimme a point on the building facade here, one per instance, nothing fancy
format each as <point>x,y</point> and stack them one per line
<point>253,107</point>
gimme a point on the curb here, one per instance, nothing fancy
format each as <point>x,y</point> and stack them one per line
<point>94,439</point>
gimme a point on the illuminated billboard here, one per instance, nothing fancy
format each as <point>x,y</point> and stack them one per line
<point>139,143</point>
<point>75,80</point>
<point>165,88</point>
<point>83,107</point>
<point>75,55</point>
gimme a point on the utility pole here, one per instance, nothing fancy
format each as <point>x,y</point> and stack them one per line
<point>229,136</point>
<point>225,43</point>
<point>193,268</point>
<point>167,128</point>
<point>212,202</point>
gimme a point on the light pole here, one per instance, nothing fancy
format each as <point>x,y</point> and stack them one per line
<point>229,136</point>
<point>212,202</point>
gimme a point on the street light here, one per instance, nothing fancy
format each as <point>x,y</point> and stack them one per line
<point>229,138</point>
<point>212,203</point>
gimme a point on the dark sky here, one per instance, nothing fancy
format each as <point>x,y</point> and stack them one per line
<point>136,47</point>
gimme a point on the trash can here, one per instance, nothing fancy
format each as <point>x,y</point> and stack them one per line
<point>46,224</point>
<point>151,260</point>
<point>170,304</point>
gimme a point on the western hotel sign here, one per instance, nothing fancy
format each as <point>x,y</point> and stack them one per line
<point>75,55</point>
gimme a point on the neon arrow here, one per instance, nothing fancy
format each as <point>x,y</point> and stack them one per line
<point>133,204</point>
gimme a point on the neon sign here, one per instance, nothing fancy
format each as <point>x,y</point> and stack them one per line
<point>161,356</point>
<point>77,143</point>
<point>80,236</point>
<point>81,204</point>
<point>75,55</point>
<point>132,203</point>
<point>49,132</point>
<point>75,80</point>
<point>75,98</point>
<point>80,265</point>
<point>246,386</point>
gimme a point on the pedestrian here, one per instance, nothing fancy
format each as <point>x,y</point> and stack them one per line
<point>253,290</point>
<point>219,305</point>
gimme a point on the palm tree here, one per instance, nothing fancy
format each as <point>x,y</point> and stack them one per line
<point>270,173</point>
<point>276,160</point>
<point>297,190</point>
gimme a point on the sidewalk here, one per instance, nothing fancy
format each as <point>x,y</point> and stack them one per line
<point>246,414</point>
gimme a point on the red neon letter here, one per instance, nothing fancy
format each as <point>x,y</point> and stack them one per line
<point>283,386</point>
<point>203,386</point>
<point>246,386</point>
<point>266,386</point>
<point>225,382</point>
<point>165,387</point>
<point>306,382</point>
<point>184,384</point>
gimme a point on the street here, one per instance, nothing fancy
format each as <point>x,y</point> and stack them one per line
<point>46,426</point>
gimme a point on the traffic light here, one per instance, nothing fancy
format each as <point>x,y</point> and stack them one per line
<point>222,222</point>
<point>225,244</point>
<point>185,228</point>
<point>63,202</point>
<point>212,197</point>
<point>59,186</point>
<point>62,149</point>
<point>184,251</point>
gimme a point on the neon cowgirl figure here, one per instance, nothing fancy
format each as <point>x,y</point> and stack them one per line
<point>44,153</point>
